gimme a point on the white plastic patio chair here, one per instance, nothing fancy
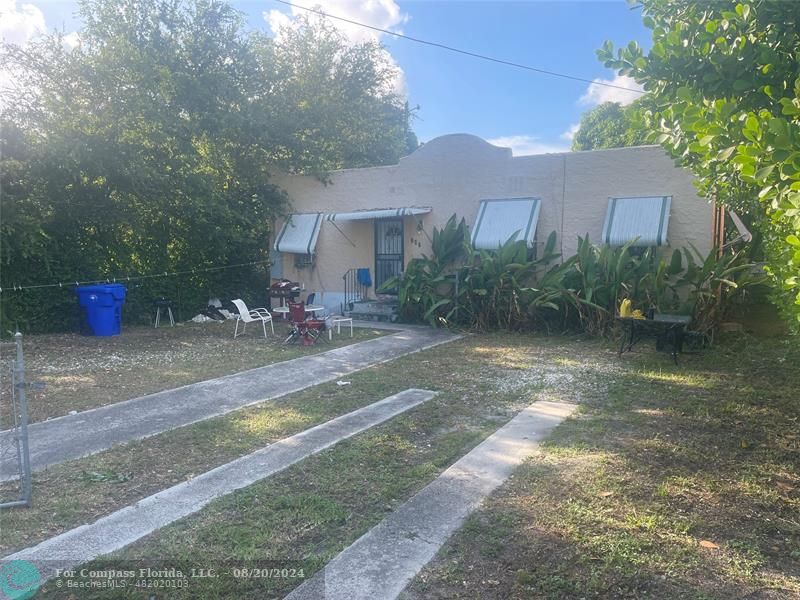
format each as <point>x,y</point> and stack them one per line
<point>248,316</point>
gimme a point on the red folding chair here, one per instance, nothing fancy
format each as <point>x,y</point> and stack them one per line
<point>297,321</point>
<point>316,329</point>
<point>307,331</point>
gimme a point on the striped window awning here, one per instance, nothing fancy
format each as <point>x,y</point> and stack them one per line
<point>299,233</point>
<point>498,220</point>
<point>380,213</point>
<point>645,218</point>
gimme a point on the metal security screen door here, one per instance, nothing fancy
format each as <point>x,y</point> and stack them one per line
<point>388,249</point>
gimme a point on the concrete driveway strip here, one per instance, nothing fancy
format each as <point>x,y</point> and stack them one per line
<point>133,522</point>
<point>381,563</point>
<point>73,436</point>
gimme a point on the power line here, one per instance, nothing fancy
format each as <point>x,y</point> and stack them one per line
<point>464,52</point>
<point>19,288</point>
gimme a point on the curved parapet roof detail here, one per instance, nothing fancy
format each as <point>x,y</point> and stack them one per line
<point>458,145</point>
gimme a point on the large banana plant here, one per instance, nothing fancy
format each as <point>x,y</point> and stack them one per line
<point>714,284</point>
<point>427,289</point>
<point>508,289</point>
<point>600,276</point>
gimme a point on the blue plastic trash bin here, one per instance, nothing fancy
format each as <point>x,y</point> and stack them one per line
<point>102,307</point>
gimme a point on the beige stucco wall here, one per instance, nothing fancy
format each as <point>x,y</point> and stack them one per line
<point>453,173</point>
<point>593,177</point>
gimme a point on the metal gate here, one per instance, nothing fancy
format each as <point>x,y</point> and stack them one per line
<point>15,464</point>
<point>388,250</point>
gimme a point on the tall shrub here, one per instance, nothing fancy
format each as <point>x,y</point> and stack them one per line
<point>509,289</point>
<point>149,148</point>
<point>604,275</point>
<point>480,289</point>
<point>724,96</point>
<point>428,290</point>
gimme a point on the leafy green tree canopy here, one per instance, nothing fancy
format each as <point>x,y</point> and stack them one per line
<point>610,125</point>
<point>149,147</point>
<point>335,100</point>
<point>724,77</point>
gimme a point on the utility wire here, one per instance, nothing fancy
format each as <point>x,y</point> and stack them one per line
<point>464,52</point>
<point>19,288</point>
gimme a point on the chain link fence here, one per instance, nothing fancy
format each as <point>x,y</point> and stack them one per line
<point>15,466</point>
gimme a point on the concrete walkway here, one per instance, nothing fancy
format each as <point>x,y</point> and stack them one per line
<point>131,523</point>
<point>381,563</point>
<point>91,431</point>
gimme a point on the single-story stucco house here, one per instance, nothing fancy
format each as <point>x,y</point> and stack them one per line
<point>382,217</point>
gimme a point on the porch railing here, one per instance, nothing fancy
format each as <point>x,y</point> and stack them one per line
<point>353,290</point>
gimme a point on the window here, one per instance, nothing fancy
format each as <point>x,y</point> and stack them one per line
<point>645,219</point>
<point>498,220</point>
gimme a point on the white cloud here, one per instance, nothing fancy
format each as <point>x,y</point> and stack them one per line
<point>522,145</point>
<point>277,21</point>
<point>569,134</point>
<point>19,24</point>
<point>399,83</point>
<point>383,14</point>
<point>72,40</point>
<point>597,94</point>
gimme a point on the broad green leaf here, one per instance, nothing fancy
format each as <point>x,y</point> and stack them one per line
<point>764,172</point>
<point>706,140</point>
<point>684,93</point>
<point>726,153</point>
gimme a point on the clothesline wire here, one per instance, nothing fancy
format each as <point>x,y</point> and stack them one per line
<point>19,288</point>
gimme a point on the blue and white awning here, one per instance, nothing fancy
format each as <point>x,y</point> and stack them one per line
<point>645,218</point>
<point>380,213</point>
<point>498,220</point>
<point>299,233</point>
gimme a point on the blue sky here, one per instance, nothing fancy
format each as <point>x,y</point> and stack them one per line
<point>530,112</point>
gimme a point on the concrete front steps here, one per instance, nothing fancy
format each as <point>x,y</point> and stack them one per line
<point>374,310</point>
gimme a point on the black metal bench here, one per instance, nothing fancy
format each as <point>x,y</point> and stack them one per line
<point>669,331</point>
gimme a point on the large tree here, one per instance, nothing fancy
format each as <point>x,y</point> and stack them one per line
<point>610,125</point>
<point>335,101</point>
<point>724,79</point>
<point>149,147</point>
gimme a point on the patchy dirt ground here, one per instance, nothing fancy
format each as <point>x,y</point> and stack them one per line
<point>82,372</point>
<point>675,482</point>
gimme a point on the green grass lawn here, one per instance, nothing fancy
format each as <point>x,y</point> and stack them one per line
<point>313,510</point>
<point>673,482</point>
<point>83,372</point>
<point>83,490</point>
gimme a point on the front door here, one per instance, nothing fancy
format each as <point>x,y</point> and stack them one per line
<point>388,250</point>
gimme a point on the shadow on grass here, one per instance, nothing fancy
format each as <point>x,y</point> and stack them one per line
<point>676,482</point>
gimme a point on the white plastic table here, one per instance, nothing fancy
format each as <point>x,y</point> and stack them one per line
<point>337,322</point>
<point>310,308</point>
